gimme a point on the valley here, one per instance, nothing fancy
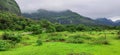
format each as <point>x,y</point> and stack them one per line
<point>48,32</point>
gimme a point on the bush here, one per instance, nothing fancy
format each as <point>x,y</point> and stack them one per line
<point>14,38</point>
<point>118,35</point>
<point>13,22</point>
<point>55,37</point>
<point>77,39</point>
<point>39,31</point>
<point>100,41</point>
<point>39,42</point>
<point>71,28</point>
<point>59,27</point>
<point>36,29</point>
<point>48,26</point>
<point>4,45</point>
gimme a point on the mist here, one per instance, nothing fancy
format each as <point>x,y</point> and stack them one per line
<point>90,8</point>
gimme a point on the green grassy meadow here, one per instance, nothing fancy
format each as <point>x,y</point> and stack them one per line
<point>28,44</point>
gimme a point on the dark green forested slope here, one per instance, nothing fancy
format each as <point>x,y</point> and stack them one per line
<point>10,5</point>
<point>63,17</point>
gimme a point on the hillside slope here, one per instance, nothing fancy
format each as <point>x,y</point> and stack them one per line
<point>63,17</point>
<point>105,21</point>
<point>10,5</point>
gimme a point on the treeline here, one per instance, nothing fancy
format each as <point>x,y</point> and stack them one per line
<point>9,21</point>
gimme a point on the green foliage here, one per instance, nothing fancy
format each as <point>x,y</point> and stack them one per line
<point>83,28</point>
<point>13,38</point>
<point>55,37</point>
<point>71,28</point>
<point>42,26</point>
<point>118,35</point>
<point>77,39</point>
<point>36,29</point>
<point>9,21</point>
<point>47,26</point>
<point>59,27</point>
<point>4,45</point>
<point>49,48</point>
<point>101,41</point>
<point>39,42</point>
<point>13,22</point>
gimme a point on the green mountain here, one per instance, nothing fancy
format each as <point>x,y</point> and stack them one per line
<point>63,17</point>
<point>10,5</point>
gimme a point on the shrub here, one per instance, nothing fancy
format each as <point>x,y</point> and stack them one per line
<point>55,37</point>
<point>59,27</point>
<point>39,42</point>
<point>71,28</point>
<point>36,29</point>
<point>13,22</point>
<point>4,45</point>
<point>101,40</point>
<point>14,38</point>
<point>39,31</point>
<point>48,26</point>
<point>77,39</point>
<point>118,35</point>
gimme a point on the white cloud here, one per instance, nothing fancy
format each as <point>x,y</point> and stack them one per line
<point>115,18</point>
<point>89,8</point>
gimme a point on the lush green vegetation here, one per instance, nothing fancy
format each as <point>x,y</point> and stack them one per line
<point>9,21</point>
<point>22,36</point>
<point>59,43</point>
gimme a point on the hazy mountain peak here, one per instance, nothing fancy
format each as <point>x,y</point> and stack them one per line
<point>104,19</point>
<point>63,17</point>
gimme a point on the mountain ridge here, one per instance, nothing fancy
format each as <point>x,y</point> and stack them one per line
<point>63,17</point>
<point>106,21</point>
<point>68,17</point>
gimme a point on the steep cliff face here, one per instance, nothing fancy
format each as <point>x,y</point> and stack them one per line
<point>10,5</point>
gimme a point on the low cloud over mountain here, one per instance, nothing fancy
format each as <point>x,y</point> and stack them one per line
<point>89,8</point>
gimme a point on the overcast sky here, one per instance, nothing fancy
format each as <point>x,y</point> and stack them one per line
<point>90,8</point>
